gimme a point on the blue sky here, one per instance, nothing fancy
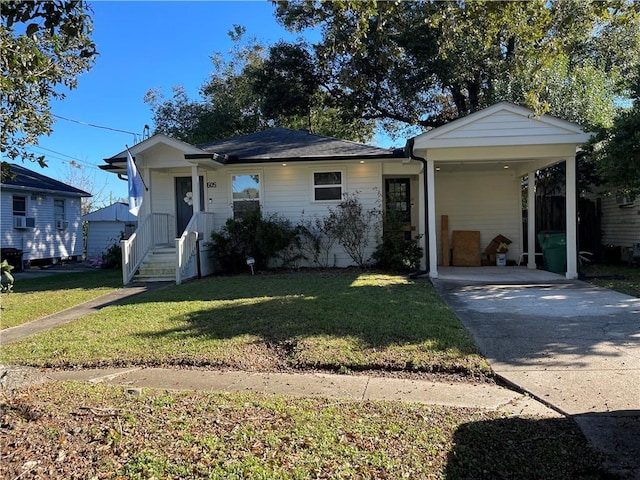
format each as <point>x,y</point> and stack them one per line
<point>142,45</point>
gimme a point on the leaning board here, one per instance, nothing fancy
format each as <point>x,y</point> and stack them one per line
<point>466,248</point>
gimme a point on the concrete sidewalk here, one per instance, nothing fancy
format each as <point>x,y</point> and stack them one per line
<point>569,344</point>
<point>354,387</point>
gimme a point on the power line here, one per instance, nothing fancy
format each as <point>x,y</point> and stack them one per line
<point>135,135</point>
<point>63,160</point>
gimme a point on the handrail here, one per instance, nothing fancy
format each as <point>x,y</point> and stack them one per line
<point>154,229</point>
<point>135,248</point>
<point>200,226</point>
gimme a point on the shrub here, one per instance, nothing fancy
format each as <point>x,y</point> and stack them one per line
<point>264,239</point>
<point>353,227</point>
<point>112,257</point>
<point>5,269</point>
<point>395,252</point>
<point>316,240</point>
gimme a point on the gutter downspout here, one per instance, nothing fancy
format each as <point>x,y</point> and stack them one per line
<point>408,150</point>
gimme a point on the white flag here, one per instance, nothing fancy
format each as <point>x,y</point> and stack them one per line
<point>135,186</point>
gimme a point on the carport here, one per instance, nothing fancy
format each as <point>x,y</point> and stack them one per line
<point>475,168</point>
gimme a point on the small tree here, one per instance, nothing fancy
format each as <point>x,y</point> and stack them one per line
<point>354,227</point>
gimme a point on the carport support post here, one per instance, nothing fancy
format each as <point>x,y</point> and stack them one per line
<point>572,219</point>
<point>431,205</point>
<point>195,188</point>
<point>531,220</point>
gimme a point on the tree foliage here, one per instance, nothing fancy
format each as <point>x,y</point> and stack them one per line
<point>616,151</point>
<point>45,45</point>
<point>428,62</point>
<point>252,89</point>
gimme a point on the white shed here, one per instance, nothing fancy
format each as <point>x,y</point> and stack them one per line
<point>108,226</point>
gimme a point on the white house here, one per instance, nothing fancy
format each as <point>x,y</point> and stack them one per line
<point>107,226</point>
<point>469,170</point>
<point>40,217</point>
<point>620,226</point>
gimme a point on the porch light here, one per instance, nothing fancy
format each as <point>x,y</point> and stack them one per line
<point>506,167</point>
<point>437,169</point>
<point>361,161</point>
<point>284,164</point>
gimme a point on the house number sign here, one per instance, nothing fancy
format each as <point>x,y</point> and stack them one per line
<point>211,185</point>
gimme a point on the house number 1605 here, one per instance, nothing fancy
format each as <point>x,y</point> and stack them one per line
<point>211,185</point>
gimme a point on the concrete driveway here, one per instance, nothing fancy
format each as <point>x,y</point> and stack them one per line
<point>573,346</point>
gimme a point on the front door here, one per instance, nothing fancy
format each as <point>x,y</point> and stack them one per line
<point>398,201</point>
<point>184,202</point>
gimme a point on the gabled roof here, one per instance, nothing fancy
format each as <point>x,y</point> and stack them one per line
<point>24,179</point>
<point>502,124</point>
<point>116,212</point>
<point>284,144</point>
<point>118,162</point>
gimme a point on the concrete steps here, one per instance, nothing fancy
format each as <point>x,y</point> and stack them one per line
<point>158,266</point>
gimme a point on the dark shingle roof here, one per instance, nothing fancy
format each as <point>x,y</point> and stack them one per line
<point>279,144</point>
<point>25,179</point>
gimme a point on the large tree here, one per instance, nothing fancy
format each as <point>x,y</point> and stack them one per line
<point>427,62</point>
<point>616,150</point>
<point>45,46</point>
<point>254,88</point>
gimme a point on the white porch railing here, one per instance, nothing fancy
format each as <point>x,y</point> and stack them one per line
<point>199,228</point>
<point>154,229</point>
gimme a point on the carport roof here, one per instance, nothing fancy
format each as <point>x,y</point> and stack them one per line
<point>502,124</point>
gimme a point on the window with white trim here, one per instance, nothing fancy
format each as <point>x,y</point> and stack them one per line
<point>245,190</point>
<point>327,186</point>
<point>19,205</point>
<point>58,208</point>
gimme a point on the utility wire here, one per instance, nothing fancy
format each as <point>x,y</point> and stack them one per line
<point>64,160</point>
<point>135,135</point>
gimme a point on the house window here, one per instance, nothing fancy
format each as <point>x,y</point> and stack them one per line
<point>327,186</point>
<point>19,206</point>
<point>246,194</point>
<point>58,209</point>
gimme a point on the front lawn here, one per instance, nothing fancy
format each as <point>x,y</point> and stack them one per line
<point>335,320</point>
<point>34,298</point>
<point>71,430</point>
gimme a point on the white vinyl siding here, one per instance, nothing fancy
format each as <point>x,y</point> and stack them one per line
<point>620,225</point>
<point>163,193</point>
<point>287,192</point>
<point>43,241</point>
<point>486,202</point>
<point>101,235</point>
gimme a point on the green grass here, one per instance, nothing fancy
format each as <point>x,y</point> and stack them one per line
<point>35,298</point>
<point>621,278</point>
<point>83,431</point>
<point>336,320</point>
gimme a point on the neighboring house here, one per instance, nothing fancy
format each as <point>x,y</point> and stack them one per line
<point>41,217</point>
<point>469,170</point>
<point>106,227</point>
<point>620,227</point>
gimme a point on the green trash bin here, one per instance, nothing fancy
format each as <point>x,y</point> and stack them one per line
<point>554,251</point>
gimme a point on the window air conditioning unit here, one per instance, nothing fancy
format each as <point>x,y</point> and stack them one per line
<point>23,222</point>
<point>62,224</point>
